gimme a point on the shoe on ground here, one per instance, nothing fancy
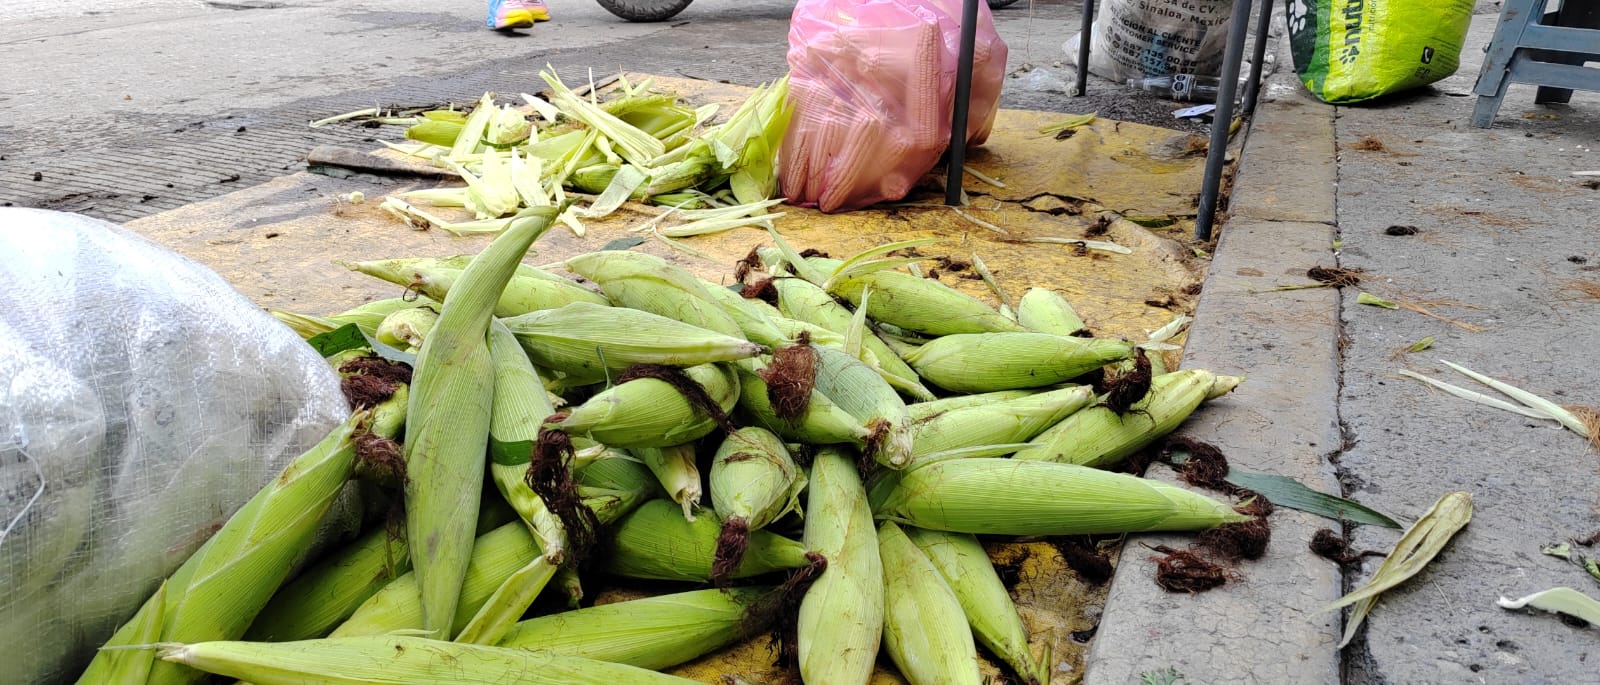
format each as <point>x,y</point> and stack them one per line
<point>516,14</point>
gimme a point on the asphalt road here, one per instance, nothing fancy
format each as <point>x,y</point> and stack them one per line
<point>120,112</point>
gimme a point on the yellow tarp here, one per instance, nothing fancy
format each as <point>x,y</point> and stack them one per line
<point>279,244</point>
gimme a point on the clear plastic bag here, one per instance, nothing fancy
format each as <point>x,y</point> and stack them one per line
<point>873,88</point>
<point>142,401</point>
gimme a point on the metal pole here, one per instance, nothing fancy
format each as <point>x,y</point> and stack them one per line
<point>1252,88</point>
<point>1232,56</point>
<point>1084,34</point>
<point>958,123</point>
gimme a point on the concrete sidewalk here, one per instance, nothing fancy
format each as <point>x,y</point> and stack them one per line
<point>1505,234</point>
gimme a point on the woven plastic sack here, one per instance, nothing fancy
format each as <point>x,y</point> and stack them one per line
<point>1139,39</point>
<point>1355,50</point>
<point>142,401</point>
<point>873,88</point>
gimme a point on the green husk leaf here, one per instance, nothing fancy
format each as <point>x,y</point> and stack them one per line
<point>1563,600</point>
<point>1418,546</point>
<point>1373,300</point>
<point>1288,492</point>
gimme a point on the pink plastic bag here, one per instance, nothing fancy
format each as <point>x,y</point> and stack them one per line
<point>873,86</point>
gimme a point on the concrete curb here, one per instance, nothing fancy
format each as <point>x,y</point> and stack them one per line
<point>1283,420</point>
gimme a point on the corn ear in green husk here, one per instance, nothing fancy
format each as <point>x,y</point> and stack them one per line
<point>920,304</point>
<point>405,329</point>
<point>924,630</point>
<point>649,407</point>
<point>1045,311</point>
<point>1042,498</point>
<point>841,617</point>
<point>1003,421</point>
<point>219,590</point>
<point>677,472</point>
<point>529,290</point>
<point>753,481</point>
<point>820,422</point>
<point>652,284</point>
<point>447,426</point>
<point>366,317</point>
<point>1099,437</point>
<point>863,394</point>
<point>1010,361</point>
<point>657,543</point>
<point>132,666</point>
<point>964,564</point>
<point>496,555</point>
<point>397,660</point>
<point>589,341</point>
<point>802,300</point>
<point>922,411</point>
<point>520,406</point>
<point>653,632</point>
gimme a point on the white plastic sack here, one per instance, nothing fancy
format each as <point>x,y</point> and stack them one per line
<point>1137,39</point>
<point>142,401</point>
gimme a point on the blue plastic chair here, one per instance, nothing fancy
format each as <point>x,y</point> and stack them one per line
<point>1545,49</point>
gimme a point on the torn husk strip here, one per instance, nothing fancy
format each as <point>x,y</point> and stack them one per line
<point>1585,421</point>
<point>1087,244</point>
<point>1564,600</point>
<point>1374,300</point>
<point>1418,546</point>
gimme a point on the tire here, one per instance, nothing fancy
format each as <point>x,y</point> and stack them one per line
<point>647,10</point>
<point>997,4</point>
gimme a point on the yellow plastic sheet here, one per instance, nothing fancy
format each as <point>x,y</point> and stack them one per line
<point>281,244</point>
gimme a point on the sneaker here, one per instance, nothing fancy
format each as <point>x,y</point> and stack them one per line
<point>516,14</point>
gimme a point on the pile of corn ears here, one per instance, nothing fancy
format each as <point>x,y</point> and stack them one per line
<point>778,450</point>
<point>639,145</point>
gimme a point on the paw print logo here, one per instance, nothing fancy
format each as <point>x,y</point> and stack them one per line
<point>1297,15</point>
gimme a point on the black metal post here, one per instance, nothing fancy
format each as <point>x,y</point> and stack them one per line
<point>1252,88</point>
<point>958,124</point>
<point>1232,56</point>
<point>1084,33</point>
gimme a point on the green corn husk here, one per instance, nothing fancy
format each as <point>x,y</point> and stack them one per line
<point>593,179</point>
<point>132,666</point>
<point>753,317</point>
<point>649,412</point>
<point>841,617</point>
<point>496,555</point>
<point>677,472</point>
<point>1045,311</point>
<point>1099,437</point>
<point>919,304</point>
<point>802,300</point>
<point>219,590</point>
<point>406,328</point>
<point>1010,361</point>
<point>822,423</point>
<point>923,627</point>
<point>653,632</point>
<point>587,341</point>
<point>877,407</point>
<point>923,411</point>
<point>398,660</point>
<point>1008,421</point>
<point>520,406</point>
<point>366,317</point>
<point>1042,498</point>
<point>328,593</point>
<point>447,427</point>
<point>754,482</point>
<point>990,613</point>
<point>652,284</point>
<point>529,290</point>
<point>656,543</point>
